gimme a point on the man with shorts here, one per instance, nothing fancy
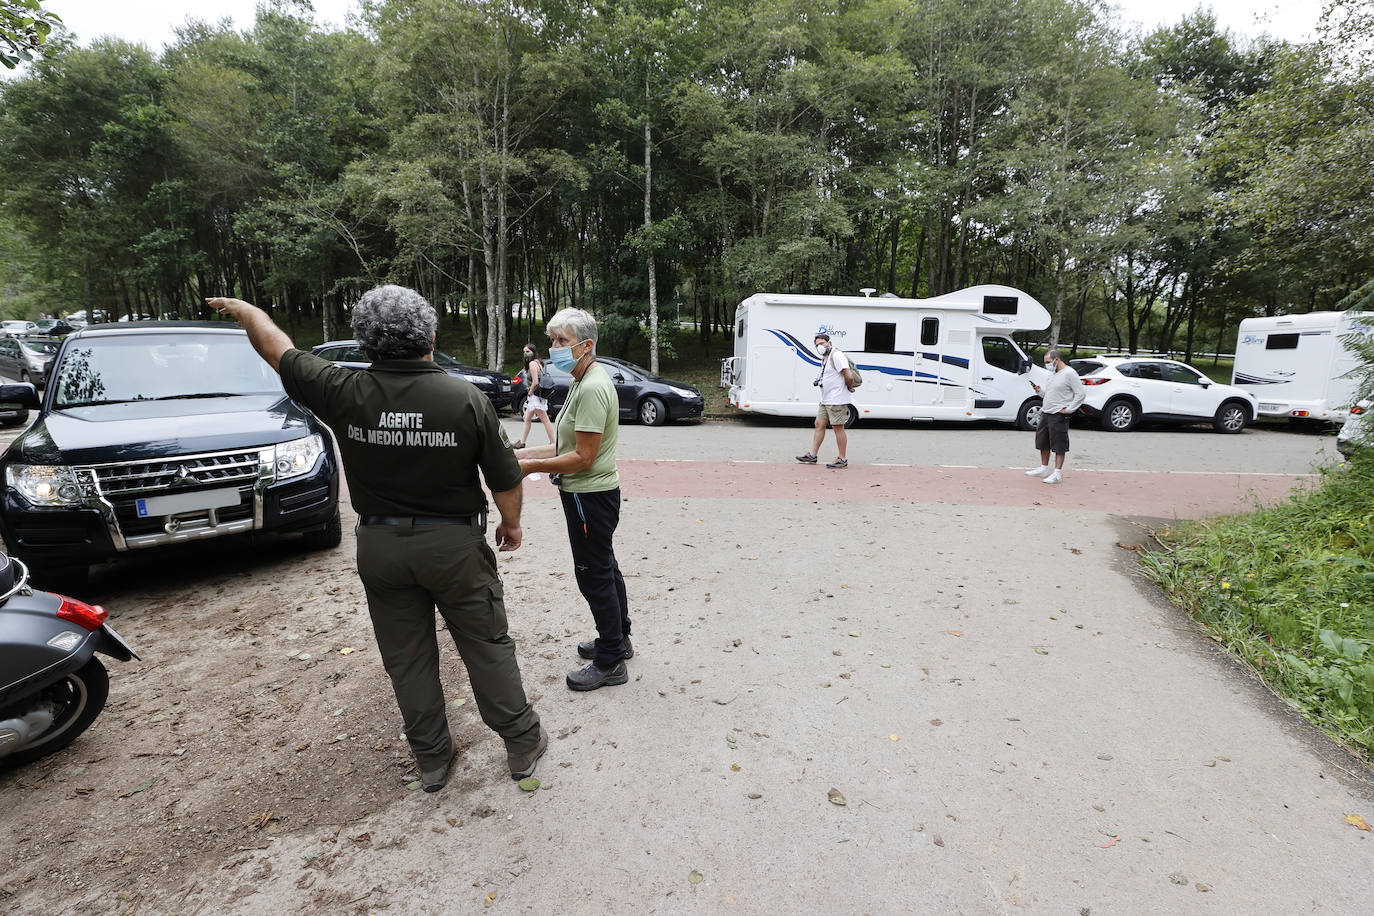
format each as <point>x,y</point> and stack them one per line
<point>1061,398</point>
<point>837,384</point>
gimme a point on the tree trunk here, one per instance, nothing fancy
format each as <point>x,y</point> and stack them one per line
<point>649,234</point>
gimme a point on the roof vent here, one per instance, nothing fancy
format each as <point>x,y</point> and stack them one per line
<point>868,291</point>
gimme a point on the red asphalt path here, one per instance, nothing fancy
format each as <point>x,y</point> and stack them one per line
<point>1160,494</point>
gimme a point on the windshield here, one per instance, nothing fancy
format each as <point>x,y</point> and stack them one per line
<point>46,347</point>
<point>443,359</point>
<point>144,367</point>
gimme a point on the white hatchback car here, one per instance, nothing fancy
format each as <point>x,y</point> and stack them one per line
<point>1123,391</point>
<point>1353,436</point>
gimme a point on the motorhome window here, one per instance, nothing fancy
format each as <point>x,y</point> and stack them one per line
<point>930,332</point>
<point>1000,353</point>
<point>880,337</point>
<point>1182,374</point>
<point>740,332</point>
<point>1281,342</point>
<point>999,305</point>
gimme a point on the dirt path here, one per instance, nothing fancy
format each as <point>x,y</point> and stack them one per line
<point>1012,720</point>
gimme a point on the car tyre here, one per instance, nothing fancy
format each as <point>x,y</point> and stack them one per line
<point>1120,416</point>
<point>652,412</point>
<point>85,691</point>
<point>519,406</point>
<point>326,538</point>
<point>1231,418</point>
<point>1028,417</point>
<point>851,416</point>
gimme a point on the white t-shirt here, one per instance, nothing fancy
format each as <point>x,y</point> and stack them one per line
<point>833,388</point>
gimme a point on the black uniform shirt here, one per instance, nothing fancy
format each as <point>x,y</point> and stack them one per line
<point>411,436</point>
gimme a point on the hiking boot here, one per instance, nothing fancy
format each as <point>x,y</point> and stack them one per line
<point>523,765</point>
<point>434,780</point>
<point>588,649</point>
<point>838,463</point>
<point>808,458</point>
<point>592,677</point>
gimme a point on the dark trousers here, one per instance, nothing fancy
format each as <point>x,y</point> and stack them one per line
<point>592,518</point>
<point>406,573</point>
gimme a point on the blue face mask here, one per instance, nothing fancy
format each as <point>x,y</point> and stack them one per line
<point>562,358</point>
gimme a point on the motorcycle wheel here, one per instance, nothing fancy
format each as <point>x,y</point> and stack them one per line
<point>81,696</point>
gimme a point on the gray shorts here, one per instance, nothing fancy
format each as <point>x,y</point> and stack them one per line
<point>1053,433</point>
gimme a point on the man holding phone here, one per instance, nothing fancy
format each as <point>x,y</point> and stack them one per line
<point>1062,396</point>
<point>836,383</point>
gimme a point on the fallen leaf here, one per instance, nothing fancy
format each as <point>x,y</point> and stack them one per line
<point>695,877</point>
<point>734,767</point>
<point>1354,820</point>
<point>413,785</point>
<point>1202,888</point>
<point>936,722</point>
<point>141,787</point>
<point>347,650</point>
<point>1041,650</point>
<point>1108,845</point>
<point>489,899</point>
<point>854,633</point>
<point>528,784</point>
<point>955,632</point>
<point>754,795</point>
<point>362,839</point>
<point>1179,878</point>
<point>1075,551</point>
<point>459,702</point>
<point>895,737</point>
<point>939,841</point>
<point>836,798</point>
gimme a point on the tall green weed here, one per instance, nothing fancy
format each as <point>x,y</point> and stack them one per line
<point>1290,589</point>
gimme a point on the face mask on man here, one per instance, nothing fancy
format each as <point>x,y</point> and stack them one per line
<point>1049,364</point>
<point>825,348</point>
<point>562,358</point>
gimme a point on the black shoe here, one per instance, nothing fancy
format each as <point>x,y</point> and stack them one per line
<point>522,765</point>
<point>588,649</point>
<point>592,677</point>
<point>808,458</point>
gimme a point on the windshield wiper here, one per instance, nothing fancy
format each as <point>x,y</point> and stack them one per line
<point>200,394</point>
<point>92,403</point>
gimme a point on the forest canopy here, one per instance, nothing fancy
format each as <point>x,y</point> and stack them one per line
<point>642,158</point>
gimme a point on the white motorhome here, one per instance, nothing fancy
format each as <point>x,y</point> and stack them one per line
<point>1296,365</point>
<point>947,358</point>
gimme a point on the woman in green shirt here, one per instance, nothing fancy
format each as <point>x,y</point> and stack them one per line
<point>582,463</point>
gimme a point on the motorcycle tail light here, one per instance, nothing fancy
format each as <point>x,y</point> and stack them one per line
<point>91,617</point>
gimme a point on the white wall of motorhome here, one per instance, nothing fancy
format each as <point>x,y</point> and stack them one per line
<point>947,358</point>
<point>1297,365</point>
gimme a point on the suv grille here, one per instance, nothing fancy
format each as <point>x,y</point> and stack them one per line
<point>135,478</point>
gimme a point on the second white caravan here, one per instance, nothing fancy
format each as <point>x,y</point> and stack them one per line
<point>1297,365</point>
<point>947,358</point>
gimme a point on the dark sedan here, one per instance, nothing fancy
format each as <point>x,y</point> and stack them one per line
<point>499,388</point>
<point>650,399</point>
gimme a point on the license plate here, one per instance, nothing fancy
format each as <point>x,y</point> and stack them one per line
<point>177,503</point>
<point>505,387</point>
<point>1271,407</point>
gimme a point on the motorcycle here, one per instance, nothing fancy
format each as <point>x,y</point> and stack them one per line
<point>52,686</point>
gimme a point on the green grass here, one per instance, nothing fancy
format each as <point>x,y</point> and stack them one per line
<point>1290,590</point>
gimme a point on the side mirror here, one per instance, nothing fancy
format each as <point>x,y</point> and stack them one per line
<point>618,377</point>
<point>1205,383</point>
<point>1025,365</point>
<point>19,395</point>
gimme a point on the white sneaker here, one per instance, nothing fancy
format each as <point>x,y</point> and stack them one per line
<point>1054,477</point>
<point>1038,472</point>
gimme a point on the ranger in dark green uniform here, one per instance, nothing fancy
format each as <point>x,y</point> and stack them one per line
<point>412,439</point>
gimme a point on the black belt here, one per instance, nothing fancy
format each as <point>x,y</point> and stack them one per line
<point>408,521</point>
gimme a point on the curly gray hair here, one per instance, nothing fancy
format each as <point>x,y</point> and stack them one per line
<point>393,322</point>
<point>582,324</point>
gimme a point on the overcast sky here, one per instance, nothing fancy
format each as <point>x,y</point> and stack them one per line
<point>151,21</point>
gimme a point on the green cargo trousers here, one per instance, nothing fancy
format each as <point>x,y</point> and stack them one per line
<point>407,572</point>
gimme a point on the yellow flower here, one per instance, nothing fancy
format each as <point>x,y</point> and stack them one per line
<point>1226,585</point>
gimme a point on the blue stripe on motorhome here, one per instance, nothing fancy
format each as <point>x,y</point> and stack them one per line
<point>812,360</point>
<point>1243,379</point>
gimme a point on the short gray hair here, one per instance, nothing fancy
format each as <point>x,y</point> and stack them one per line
<point>1053,354</point>
<point>581,323</point>
<point>393,322</point>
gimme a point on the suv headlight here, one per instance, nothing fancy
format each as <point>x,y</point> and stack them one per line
<point>478,379</point>
<point>297,457</point>
<point>684,393</point>
<point>44,485</point>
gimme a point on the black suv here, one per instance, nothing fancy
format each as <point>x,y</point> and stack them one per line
<point>499,388</point>
<point>160,433</point>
